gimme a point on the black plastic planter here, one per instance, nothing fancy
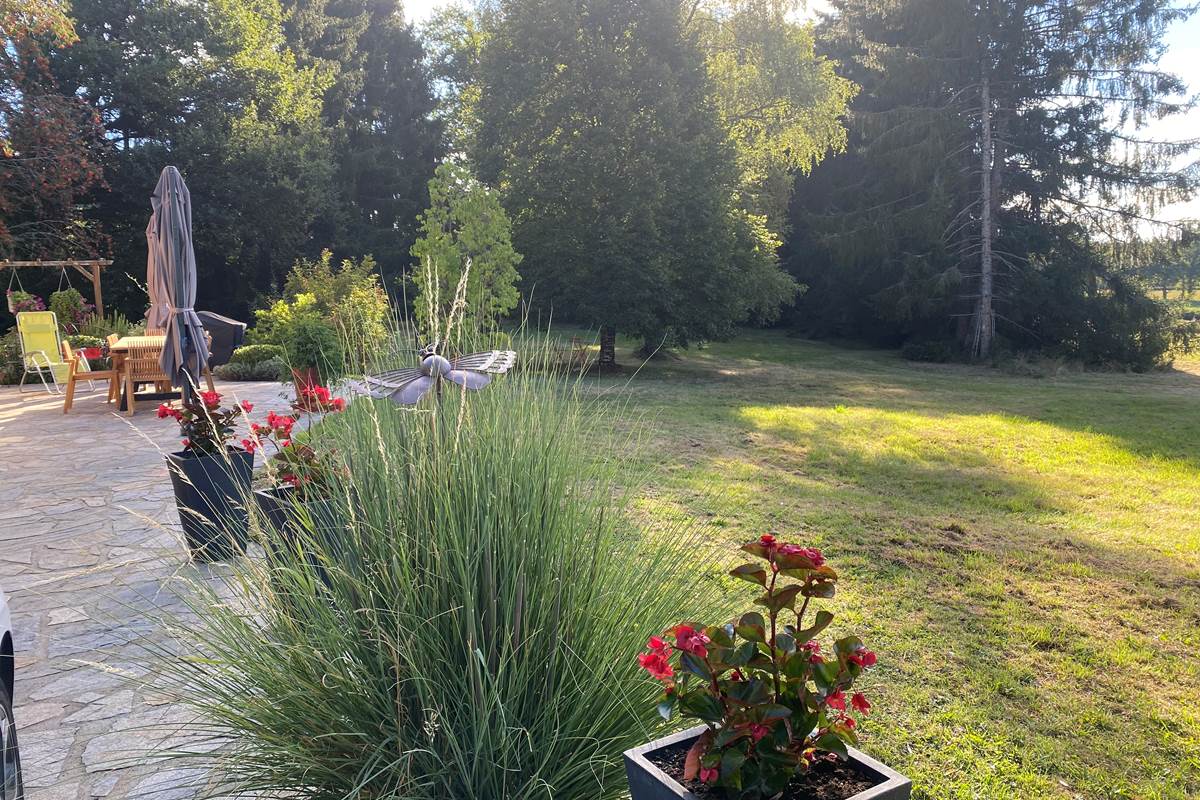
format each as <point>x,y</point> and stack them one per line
<point>648,782</point>
<point>288,518</point>
<point>211,492</point>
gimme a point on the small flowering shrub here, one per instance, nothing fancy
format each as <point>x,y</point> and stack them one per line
<point>207,427</point>
<point>773,702</point>
<point>317,399</point>
<point>19,301</point>
<point>310,472</point>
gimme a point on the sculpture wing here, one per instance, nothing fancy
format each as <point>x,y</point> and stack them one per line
<point>496,362</point>
<point>398,385</point>
<point>469,379</point>
<point>411,392</point>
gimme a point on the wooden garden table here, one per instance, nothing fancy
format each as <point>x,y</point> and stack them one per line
<point>117,351</point>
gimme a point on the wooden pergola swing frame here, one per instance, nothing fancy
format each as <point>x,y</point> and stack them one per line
<point>89,269</point>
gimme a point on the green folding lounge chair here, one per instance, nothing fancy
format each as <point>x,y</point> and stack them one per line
<point>41,349</point>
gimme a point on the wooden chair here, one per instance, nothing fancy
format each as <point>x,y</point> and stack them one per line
<point>141,366</point>
<point>76,373</point>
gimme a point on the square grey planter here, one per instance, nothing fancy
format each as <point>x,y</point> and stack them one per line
<point>648,782</point>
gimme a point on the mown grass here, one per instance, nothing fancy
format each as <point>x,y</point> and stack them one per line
<point>1023,553</point>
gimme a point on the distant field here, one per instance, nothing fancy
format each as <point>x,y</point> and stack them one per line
<point>1023,553</point>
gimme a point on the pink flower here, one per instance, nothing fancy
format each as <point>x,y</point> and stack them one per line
<point>290,478</point>
<point>836,700</point>
<point>709,774</point>
<point>165,411</point>
<point>656,664</point>
<point>657,645</point>
<point>691,640</point>
<point>767,540</point>
<point>211,400</point>
<point>860,703</point>
<point>187,442</point>
<point>247,406</point>
<point>758,731</point>
<point>339,404</point>
<point>849,722</point>
<point>811,553</point>
<point>250,445</point>
<point>862,657</point>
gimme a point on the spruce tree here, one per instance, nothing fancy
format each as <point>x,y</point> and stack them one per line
<point>987,137</point>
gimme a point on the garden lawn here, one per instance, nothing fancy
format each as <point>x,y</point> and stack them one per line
<point>1023,553</point>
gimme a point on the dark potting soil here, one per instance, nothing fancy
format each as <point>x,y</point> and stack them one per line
<point>827,779</point>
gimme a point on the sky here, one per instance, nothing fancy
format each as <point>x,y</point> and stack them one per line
<point>1182,58</point>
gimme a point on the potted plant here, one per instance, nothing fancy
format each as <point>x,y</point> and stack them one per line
<point>313,348</point>
<point>91,347</point>
<point>777,712</point>
<point>301,479</point>
<point>211,477</point>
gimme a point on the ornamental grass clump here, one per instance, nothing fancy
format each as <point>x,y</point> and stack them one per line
<point>773,703</point>
<point>468,637</point>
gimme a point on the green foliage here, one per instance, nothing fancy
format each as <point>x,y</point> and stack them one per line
<point>116,322</point>
<point>890,236</point>
<point>380,108</point>
<point>50,140</point>
<point>10,358</point>
<point>349,296</point>
<point>772,703</point>
<point>80,341</point>
<point>256,353</point>
<point>213,89</point>
<point>270,369</point>
<point>463,632</point>
<point>311,343</point>
<point>70,309</point>
<point>464,224</point>
<point>937,351</point>
<point>625,215</point>
<point>781,103</point>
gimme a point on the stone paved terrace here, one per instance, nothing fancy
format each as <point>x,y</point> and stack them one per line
<point>88,535</point>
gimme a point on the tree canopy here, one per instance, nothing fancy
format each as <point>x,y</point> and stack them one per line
<point>991,146</point>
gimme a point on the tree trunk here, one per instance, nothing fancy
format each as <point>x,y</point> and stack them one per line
<point>985,314</point>
<point>608,347</point>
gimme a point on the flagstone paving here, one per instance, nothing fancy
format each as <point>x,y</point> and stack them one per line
<point>89,544</point>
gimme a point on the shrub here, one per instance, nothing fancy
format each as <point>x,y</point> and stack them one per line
<point>273,369</point>
<point>115,322</point>
<point>937,351</point>
<point>71,310</point>
<point>80,341</point>
<point>10,358</point>
<point>772,703</point>
<point>470,635</point>
<point>310,342</point>
<point>256,353</point>
<point>19,301</point>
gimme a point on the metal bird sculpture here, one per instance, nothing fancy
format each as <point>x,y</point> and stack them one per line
<point>408,386</point>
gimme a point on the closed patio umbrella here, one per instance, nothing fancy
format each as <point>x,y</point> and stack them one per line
<point>171,270</point>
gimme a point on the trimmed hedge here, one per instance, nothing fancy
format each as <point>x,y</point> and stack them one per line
<point>256,354</point>
<point>272,369</point>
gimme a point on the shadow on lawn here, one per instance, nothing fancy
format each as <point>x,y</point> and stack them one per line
<point>991,599</point>
<point>1148,415</point>
<point>993,605</point>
